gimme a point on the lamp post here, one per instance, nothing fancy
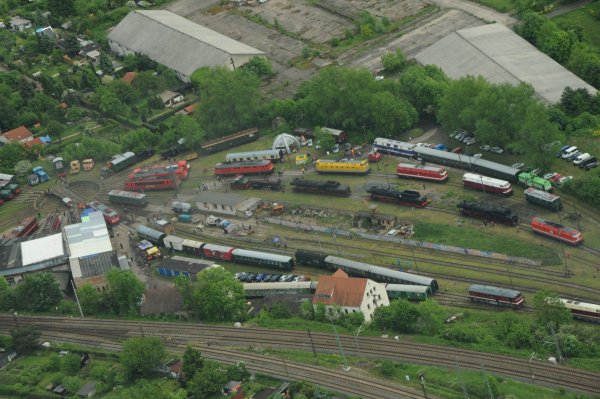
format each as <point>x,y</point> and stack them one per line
<point>385,165</point>
<point>337,338</point>
<point>530,370</point>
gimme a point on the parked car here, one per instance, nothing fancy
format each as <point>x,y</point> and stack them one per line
<point>572,156</point>
<point>485,147</point>
<point>562,150</point>
<point>250,277</point>
<point>299,279</point>
<point>518,165</point>
<point>275,277</point>
<point>240,276</point>
<point>555,178</point>
<point>564,179</point>
<point>497,150</point>
<point>309,143</point>
<point>590,165</point>
<point>549,176</point>
<point>336,149</point>
<point>259,277</point>
<point>266,278</point>
<point>477,156</point>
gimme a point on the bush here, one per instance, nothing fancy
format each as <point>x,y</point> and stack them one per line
<point>69,364</point>
<point>466,333</point>
<point>386,368</point>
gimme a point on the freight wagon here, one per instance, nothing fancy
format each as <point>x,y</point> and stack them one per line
<point>128,198</point>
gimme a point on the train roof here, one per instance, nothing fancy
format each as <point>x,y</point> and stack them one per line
<point>119,158</point>
<point>488,181</point>
<point>553,224</point>
<point>302,285</point>
<point>508,170</point>
<point>544,195</point>
<point>380,270</point>
<point>174,239</point>
<point>572,304</point>
<point>262,255</point>
<point>491,290</point>
<point>216,247</point>
<point>128,194</point>
<point>99,206</point>
<point>149,232</point>
<point>253,153</point>
<point>420,167</point>
<point>420,289</point>
<point>352,161</point>
<point>248,132</point>
<point>262,162</point>
<point>192,243</point>
<point>398,144</point>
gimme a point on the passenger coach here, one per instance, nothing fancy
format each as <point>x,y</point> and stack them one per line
<point>263,155</point>
<point>487,184</point>
<point>393,147</point>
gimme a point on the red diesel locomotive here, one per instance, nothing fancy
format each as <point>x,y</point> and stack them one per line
<point>433,173</point>
<point>263,167</point>
<point>556,231</point>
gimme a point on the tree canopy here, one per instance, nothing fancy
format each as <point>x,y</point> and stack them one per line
<point>38,292</point>
<point>550,312</point>
<point>217,296</point>
<point>229,100</point>
<point>140,355</point>
<point>124,291</point>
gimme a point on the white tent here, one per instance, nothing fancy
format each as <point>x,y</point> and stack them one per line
<point>286,141</point>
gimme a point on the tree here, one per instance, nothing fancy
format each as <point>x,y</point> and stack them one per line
<point>193,362</point>
<point>531,23</point>
<point>219,296</point>
<point>574,102</point>
<point>550,312</point>
<point>390,114</point>
<point>184,127</point>
<point>25,339</point>
<point>38,292</point>
<point>238,372</point>
<point>71,44</point>
<point>431,317</point>
<point>22,168</point>
<point>207,381</point>
<point>55,129</point>
<point>558,44</point>
<point>62,8</point>
<point>184,287</point>
<point>6,295</point>
<point>123,91</point>
<point>326,140</point>
<point>423,87</point>
<point>124,293</point>
<point>45,45</point>
<point>106,64</point>
<point>229,100</point>
<point>394,61</point>
<point>585,63</point>
<point>400,316</point>
<point>456,106</point>
<point>140,355</point>
<point>90,300</point>
<point>72,384</point>
<point>260,66</point>
<point>70,364</point>
<point>109,103</point>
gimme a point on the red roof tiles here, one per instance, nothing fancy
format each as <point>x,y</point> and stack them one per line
<point>19,134</point>
<point>339,289</point>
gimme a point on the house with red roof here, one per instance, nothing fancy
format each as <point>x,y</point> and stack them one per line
<point>129,77</point>
<point>18,135</point>
<point>350,295</point>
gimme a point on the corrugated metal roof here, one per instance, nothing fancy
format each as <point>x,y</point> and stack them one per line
<point>176,42</point>
<point>501,56</point>
<point>464,158</point>
<point>149,232</point>
<point>41,249</point>
<point>89,237</point>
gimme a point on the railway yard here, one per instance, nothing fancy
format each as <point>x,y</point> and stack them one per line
<point>437,243</point>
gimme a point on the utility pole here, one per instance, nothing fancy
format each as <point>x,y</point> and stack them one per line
<point>15,314</point>
<point>422,378</point>
<point>460,379</point>
<point>385,165</point>
<point>358,331</point>
<point>76,298</point>
<point>530,370</point>
<point>509,276</point>
<point>412,251</point>
<point>487,382</point>
<point>337,338</point>
<point>287,375</point>
<point>312,344</point>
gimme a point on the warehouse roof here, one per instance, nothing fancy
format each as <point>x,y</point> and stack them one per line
<point>214,197</point>
<point>176,42</point>
<point>501,56</point>
<point>42,249</point>
<point>89,237</point>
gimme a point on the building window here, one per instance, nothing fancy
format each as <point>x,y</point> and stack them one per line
<point>368,306</point>
<point>346,311</point>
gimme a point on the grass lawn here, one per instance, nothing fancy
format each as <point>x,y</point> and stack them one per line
<point>498,5</point>
<point>586,19</point>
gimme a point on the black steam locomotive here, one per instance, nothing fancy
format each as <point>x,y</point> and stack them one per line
<point>401,197</point>
<point>329,187</point>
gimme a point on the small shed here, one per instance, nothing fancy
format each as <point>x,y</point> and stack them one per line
<point>170,98</point>
<point>232,387</point>
<point>173,242</point>
<point>374,219</point>
<point>87,391</point>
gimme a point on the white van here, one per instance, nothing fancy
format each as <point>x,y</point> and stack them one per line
<point>67,201</point>
<point>581,158</point>
<point>568,152</point>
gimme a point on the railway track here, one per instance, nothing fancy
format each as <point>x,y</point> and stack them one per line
<point>351,382</point>
<point>221,337</point>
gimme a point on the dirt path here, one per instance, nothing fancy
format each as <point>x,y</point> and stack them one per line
<point>477,10</point>
<point>568,8</point>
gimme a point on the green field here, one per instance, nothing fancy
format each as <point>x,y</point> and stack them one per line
<point>585,18</point>
<point>498,5</point>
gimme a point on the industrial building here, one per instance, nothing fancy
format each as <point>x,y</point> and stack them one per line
<point>501,56</point>
<point>177,43</point>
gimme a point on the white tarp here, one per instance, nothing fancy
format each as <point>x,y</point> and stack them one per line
<point>41,249</point>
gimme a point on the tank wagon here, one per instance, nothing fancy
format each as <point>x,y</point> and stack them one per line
<point>489,213</point>
<point>329,187</point>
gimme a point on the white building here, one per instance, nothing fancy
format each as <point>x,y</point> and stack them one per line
<point>177,43</point>
<point>91,254</point>
<point>350,295</point>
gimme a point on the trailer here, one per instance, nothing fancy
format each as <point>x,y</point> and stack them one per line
<point>59,166</point>
<point>88,164</point>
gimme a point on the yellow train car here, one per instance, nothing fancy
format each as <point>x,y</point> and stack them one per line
<point>342,166</point>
